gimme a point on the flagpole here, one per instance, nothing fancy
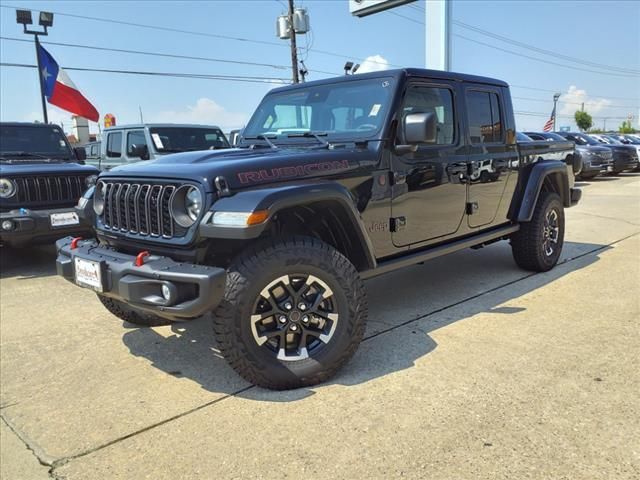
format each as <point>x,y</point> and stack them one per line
<point>44,101</point>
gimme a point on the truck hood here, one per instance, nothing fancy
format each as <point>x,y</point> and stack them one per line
<point>11,169</point>
<point>244,167</point>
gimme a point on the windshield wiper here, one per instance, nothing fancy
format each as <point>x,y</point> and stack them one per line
<point>24,154</point>
<point>316,135</point>
<point>265,138</point>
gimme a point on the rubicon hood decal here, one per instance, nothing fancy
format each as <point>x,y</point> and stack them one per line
<point>292,171</point>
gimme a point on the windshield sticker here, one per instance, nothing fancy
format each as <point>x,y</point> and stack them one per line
<point>157,141</point>
<point>62,144</point>
<point>375,109</point>
<point>385,84</point>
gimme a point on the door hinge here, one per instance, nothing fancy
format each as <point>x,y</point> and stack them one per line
<point>398,224</point>
<point>472,207</point>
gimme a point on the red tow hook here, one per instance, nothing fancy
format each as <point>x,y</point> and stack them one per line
<point>140,258</point>
<point>74,242</point>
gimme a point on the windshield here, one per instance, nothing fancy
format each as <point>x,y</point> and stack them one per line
<point>612,140</point>
<point>36,142</point>
<point>342,110</point>
<point>582,139</point>
<point>184,139</point>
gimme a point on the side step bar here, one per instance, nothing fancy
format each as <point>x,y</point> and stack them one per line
<point>438,251</point>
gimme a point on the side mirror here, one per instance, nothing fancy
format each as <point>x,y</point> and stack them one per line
<point>420,128</point>
<point>139,151</point>
<point>80,153</point>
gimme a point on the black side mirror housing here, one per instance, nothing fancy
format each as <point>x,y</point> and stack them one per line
<point>81,154</point>
<point>420,128</point>
<point>140,151</point>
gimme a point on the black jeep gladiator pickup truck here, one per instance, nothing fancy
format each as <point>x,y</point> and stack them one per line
<point>332,182</point>
<point>40,184</point>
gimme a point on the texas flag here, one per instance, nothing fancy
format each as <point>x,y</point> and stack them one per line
<point>60,90</point>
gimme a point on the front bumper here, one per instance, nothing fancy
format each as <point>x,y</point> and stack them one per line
<point>622,163</point>
<point>195,289</point>
<point>35,226</point>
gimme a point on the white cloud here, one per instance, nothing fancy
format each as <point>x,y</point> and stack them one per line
<point>574,97</point>
<point>205,111</point>
<point>374,63</point>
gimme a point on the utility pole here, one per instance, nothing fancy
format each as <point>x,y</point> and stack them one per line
<point>294,48</point>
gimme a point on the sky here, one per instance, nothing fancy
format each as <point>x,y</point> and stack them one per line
<point>599,32</point>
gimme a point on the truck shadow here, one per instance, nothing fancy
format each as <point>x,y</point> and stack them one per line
<point>28,262</point>
<point>394,339</point>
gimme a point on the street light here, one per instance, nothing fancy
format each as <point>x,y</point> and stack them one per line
<point>45,20</point>
<point>556,96</point>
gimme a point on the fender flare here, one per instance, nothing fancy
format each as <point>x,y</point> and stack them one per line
<point>278,198</point>
<point>535,180</point>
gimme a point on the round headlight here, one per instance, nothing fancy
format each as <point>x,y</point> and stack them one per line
<point>98,198</point>
<point>90,181</point>
<point>193,203</point>
<point>7,188</point>
<point>186,205</point>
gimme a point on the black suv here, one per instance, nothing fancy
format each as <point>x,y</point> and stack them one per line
<point>596,158</point>
<point>41,181</point>
<point>333,182</point>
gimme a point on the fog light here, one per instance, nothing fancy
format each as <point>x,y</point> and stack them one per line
<point>166,292</point>
<point>8,225</point>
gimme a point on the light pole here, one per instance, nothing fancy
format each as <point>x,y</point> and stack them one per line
<point>555,103</point>
<point>23,17</point>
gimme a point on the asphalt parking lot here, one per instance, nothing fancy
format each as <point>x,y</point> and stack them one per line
<point>471,368</point>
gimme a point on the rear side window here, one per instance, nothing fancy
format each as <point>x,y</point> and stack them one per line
<point>436,100</point>
<point>136,138</point>
<point>114,144</point>
<point>485,117</point>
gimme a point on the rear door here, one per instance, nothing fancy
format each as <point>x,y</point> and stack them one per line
<point>490,158</point>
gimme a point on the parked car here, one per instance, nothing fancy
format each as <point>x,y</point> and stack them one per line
<point>334,181</point>
<point>595,158</point>
<point>234,136</point>
<point>41,181</point>
<point>625,157</point>
<point>569,158</point>
<point>132,143</point>
<point>621,140</point>
<point>92,152</point>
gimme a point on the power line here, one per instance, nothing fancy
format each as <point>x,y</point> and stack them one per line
<point>542,60</point>
<point>157,54</point>
<point>202,76</point>
<point>542,50</point>
<point>574,103</point>
<point>204,34</point>
<point>546,115</point>
<point>556,90</point>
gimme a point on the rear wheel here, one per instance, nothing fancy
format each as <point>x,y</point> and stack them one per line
<point>538,243</point>
<point>132,315</point>
<point>294,312</point>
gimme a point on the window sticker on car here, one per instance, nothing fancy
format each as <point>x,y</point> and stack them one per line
<point>156,140</point>
<point>375,109</point>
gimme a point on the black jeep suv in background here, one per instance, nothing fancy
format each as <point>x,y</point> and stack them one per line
<point>333,182</point>
<point>40,184</point>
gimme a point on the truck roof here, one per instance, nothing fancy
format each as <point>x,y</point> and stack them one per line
<point>399,73</point>
<point>160,125</point>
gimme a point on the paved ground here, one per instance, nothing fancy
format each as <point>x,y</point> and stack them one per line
<point>471,369</point>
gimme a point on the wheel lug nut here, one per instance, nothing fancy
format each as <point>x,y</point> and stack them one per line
<point>294,327</point>
<point>288,306</point>
<point>305,319</point>
<point>282,319</point>
<point>302,306</point>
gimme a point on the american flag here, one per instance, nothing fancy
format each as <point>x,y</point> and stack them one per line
<point>549,125</point>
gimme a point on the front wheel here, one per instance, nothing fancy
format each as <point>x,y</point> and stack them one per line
<point>294,312</point>
<point>538,243</point>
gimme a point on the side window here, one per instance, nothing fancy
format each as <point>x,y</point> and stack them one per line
<point>436,100</point>
<point>485,117</point>
<point>135,138</point>
<point>114,144</point>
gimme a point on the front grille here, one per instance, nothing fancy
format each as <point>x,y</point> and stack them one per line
<point>50,189</point>
<point>140,208</point>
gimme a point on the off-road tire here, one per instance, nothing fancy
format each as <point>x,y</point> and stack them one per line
<point>527,244</point>
<point>132,315</point>
<point>250,273</point>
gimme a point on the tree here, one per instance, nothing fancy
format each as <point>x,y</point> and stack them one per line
<point>583,120</point>
<point>626,127</point>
